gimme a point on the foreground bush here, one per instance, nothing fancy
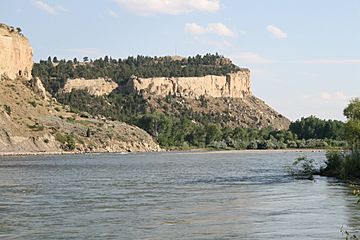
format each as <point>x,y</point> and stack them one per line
<point>303,168</point>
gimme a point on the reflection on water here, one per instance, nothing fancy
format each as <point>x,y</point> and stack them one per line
<point>170,196</point>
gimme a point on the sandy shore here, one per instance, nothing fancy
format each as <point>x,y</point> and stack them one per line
<point>3,154</point>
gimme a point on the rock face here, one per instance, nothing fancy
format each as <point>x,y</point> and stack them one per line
<point>228,99</point>
<point>97,87</point>
<point>36,85</point>
<point>31,122</point>
<point>15,54</point>
<point>234,85</point>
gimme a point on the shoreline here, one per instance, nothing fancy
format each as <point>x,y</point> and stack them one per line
<point>197,150</point>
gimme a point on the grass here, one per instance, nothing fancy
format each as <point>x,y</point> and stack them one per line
<point>342,164</point>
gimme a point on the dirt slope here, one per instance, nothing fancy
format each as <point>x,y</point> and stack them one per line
<point>30,124</point>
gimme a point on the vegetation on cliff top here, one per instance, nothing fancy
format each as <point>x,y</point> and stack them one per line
<point>54,73</point>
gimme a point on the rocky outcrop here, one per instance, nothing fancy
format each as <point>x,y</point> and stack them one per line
<point>97,87</point>
<point>233,85</point>
<point>15,54</point>
<point>36,85</point>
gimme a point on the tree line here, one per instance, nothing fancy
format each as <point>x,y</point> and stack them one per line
<point>188,129</point>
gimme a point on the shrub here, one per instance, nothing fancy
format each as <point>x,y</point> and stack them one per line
<point>36,127</point>
<point>67,140</point>
<point>33,103</point>
<point>351,166</point>
<point>7,109</point>
<point>341,164</point>
<point>334,163</point>
<point>303,167</point>
<point>252,145</point>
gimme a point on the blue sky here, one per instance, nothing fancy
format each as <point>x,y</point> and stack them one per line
<point>304,55</point>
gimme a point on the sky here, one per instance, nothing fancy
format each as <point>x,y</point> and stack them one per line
<point>304,56</point>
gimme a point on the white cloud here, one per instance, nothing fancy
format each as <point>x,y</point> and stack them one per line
<point>194,28</point>
<point>336,96</point>
<point>214,28</point>
<point>220,29</point>
<point>113,14</point>
<point>277,32</point>
<point>250,57</point>
<point>50,9</point>
<point>172,7</point>
<point>333,61</point>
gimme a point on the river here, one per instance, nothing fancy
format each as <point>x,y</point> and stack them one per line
<point>221,195</point>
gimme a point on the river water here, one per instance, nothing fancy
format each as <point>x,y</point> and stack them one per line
<point>225,195</point>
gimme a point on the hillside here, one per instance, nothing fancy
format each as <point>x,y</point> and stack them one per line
<point>31,121</point>
<point>182,102</point>
<point>144,83</point>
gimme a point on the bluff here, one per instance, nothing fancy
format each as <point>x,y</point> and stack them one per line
<point>232,85</point>
<point>32,122</point>
<point>97,87</point>
<point>226,99</point>
<point>16,53</point>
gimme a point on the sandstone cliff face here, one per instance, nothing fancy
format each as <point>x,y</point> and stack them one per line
<point>97,87</point>
<point>31,122</point>
<point>15,54</point>
<point>234,85</point>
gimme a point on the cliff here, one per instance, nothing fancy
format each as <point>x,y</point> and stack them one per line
<point>16,54</point>
<point>97,87</point>
<point>32,122</point>
<point>228,99</point>
<point>233,85</point>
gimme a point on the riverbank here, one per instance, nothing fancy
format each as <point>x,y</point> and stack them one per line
<point>197,150</point>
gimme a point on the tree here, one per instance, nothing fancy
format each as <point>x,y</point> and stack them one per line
<point>18,29</point>
<point>86,59</point>
<point>315,128</point>
<point>213,133</point>
<point>352,126</point>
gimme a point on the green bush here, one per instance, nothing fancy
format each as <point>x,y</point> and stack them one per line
<point>342,165</point>
<point>67,140</point>
<point>334,163</point>
<point>7,109</point>
<point>33,103</point>
<point>351,166</point>
<point>36,127</point>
